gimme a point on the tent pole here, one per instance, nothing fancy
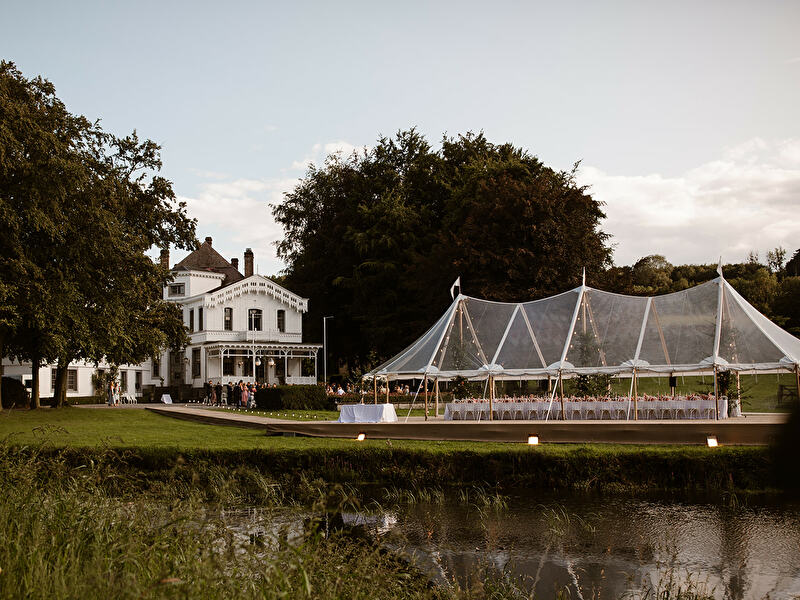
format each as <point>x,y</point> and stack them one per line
<point>635,396</point>
<point>796,380</point>
<point>436,387</point>
<point>491,398</point>
<point>375,387</point>
<point>716,396</point>
<point>739,389</point>
<point>561,396</point>
<point>426,397</point>
<point>387,390</point>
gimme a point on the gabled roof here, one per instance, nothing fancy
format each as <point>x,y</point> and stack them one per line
<point>256,284</point>
<point>205,258</point>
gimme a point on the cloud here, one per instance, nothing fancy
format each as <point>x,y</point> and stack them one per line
<point>236,215</point>
<point>745,200</point>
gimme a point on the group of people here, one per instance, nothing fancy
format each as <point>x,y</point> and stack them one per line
<point>240,395</point>
<point>113,392</point>
<point>338,390</point>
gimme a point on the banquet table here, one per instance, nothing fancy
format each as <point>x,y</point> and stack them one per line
<point>367,413</point>
<point>677,408</point>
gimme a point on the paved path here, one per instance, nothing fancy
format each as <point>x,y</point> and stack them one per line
<point>753,429</point>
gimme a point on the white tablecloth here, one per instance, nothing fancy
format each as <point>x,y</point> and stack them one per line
<point>680,408</point>
<point>367,413</point>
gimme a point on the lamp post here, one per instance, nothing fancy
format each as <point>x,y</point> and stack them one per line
<point>325,347</point>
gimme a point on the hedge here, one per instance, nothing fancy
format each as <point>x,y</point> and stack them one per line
<point>298,397</point>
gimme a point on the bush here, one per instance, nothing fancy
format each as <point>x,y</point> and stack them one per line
<point>14,394</point>
<point>297,397</point>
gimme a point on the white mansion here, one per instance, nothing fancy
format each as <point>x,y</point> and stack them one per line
<point>241,327</point>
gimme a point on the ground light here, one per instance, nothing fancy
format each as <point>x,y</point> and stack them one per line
<point>712,442</point>
<point>361,437</point>
<point>533,440</point>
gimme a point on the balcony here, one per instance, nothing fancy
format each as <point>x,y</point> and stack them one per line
<point>265,336</point>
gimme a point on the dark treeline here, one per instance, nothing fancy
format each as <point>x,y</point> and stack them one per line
<point>773,287</point>
<point>376,238</point>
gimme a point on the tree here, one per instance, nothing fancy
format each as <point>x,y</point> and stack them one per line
<point>652,275</point>
<point>776,258</point>
<point>81,208</point>
<point>377,237</point>
<point>793,266</point>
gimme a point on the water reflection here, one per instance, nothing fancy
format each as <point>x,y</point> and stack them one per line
<point>603,547</point>
<point>594,547</point>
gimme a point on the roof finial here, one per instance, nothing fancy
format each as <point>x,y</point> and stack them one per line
<point>583,283</point>
<point>719,266</point>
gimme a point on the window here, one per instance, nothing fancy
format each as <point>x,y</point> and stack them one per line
<point>195,363</point>
<point>138,382</point>
<point>282,321</point>
<point>72,380</point>
<point>254,319</point>
<point>200,319</point>
<point>177,289</point>
<point>228,326</point>
<point>228,366</point>
<point>156,372</point>
<point>123,381</point>
<point>191,319</point>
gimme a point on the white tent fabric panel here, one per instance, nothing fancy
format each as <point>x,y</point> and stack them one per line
<point>586,331</point>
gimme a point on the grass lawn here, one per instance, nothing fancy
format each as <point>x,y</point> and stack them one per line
<point>126,428</point>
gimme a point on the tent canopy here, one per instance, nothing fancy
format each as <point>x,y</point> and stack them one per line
<point>588,331</point>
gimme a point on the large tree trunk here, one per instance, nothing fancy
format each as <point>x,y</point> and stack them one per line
<point>35,363</point>
<point>60,392</point>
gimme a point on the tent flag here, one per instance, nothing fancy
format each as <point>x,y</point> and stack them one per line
<point>586,331</point>
<point>456,284</point>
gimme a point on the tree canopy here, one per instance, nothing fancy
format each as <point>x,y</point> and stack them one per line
<point>78,209</point>
<point>377,237</point>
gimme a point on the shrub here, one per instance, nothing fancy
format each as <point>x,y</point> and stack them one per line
<point>14,393</point>
<point>298,397</point>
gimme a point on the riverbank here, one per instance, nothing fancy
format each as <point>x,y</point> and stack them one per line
<point>169,451</point>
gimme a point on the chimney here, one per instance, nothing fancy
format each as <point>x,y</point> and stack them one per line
<point>235,263</point>
<point>248,262</point>
<point>208,240</point>
<point>164,260</point>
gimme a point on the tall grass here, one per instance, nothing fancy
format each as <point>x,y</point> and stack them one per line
<point>66,535</point>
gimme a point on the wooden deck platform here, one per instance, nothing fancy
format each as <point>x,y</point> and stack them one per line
<point>752,429</point>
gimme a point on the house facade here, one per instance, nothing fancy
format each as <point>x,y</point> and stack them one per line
<point>242,326</point>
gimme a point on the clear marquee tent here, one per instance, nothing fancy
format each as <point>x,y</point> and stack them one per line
<point>704,329</point>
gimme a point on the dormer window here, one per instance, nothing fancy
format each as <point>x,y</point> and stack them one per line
<point>282,321</point>
<point>254,319</point>
<point>177,289</point>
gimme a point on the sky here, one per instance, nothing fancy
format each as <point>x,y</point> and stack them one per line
<point>683,115</point>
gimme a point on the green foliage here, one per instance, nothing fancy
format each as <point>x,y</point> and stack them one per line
<point>79,208</point>
<point>377,237</point>
<point>302,397</point>
<point>14,393</point>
